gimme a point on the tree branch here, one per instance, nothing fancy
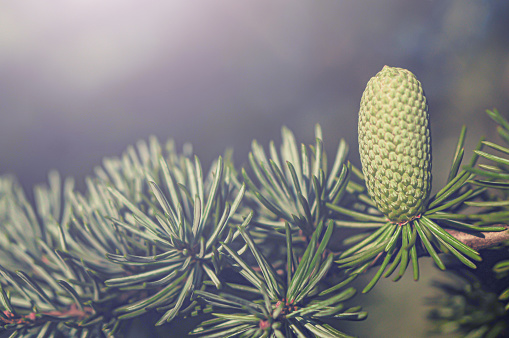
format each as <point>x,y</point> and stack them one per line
<point>482,240</point>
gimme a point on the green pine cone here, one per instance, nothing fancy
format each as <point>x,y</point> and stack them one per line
<point>395,144</point>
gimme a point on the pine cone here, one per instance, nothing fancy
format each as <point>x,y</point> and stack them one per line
<point>395,144</point>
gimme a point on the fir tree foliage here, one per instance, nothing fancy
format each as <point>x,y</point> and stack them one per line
<point>294,185</point>
<point>252,254</point>
<point>46,289</point>
<point>495,175</point>
<point>475,306</point>
<point>467,308</point>
<point>171,218</point>
<point>146,234</point>
<point>281,306</point>
<point>153,234</point>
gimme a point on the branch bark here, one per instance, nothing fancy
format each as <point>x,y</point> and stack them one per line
<point>482,240</point>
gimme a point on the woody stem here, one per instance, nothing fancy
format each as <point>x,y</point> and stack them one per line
<point>482,240</point>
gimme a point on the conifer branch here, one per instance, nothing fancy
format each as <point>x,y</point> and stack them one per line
<point>481,240</point>
<point>153,234</point>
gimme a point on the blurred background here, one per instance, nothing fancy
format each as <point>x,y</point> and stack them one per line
<point>80,80</point>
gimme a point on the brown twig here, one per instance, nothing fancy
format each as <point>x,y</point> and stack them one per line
<point>482,240</point>
<point>477,241</point>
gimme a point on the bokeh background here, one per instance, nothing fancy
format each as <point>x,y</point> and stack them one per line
<point>82,79</point>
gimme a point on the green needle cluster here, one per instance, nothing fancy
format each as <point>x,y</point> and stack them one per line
<point>466,308</point>
<point>281,308</point>
<point>258,252</point>
<point>495,175</point>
